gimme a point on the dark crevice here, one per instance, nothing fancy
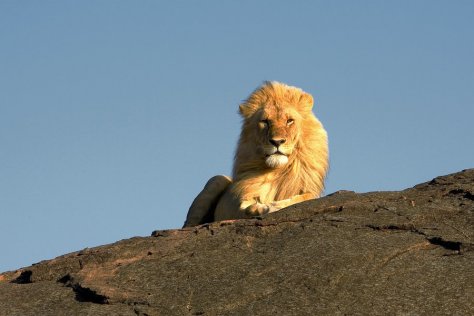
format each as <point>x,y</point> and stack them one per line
<point>65,279</point>
<point>447,244</point>
<point>455,246</point>
<point>84,294</point>
<point>24,278</point>
<point>463,193</point>
<point>384,227</point>
<point>402,227</point>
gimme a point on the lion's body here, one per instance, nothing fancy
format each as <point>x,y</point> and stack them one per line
<point>281,158</point>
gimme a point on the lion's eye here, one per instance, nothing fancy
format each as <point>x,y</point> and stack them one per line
<point>289,122</point>
<point>264,123</point>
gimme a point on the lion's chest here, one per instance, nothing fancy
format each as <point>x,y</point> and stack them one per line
<point>266,193</point>
<point>269,187</point>
<point>262,190</point>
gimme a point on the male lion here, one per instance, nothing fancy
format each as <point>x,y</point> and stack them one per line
<point>281,158</point>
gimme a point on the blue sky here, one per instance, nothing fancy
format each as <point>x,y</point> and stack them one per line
<point>113,114</point>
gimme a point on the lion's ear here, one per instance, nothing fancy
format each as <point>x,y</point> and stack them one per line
<point>306,102</point>
<point>247,109</point>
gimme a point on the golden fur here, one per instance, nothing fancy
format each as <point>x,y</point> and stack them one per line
<point>281,158</point>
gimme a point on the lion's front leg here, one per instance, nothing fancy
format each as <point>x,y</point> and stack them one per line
<point>277,205</point>
<point>255,208</point>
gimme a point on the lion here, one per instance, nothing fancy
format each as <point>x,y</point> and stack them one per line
<point>282,158</point>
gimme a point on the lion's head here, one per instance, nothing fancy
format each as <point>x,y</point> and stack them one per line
<point>278,122</point>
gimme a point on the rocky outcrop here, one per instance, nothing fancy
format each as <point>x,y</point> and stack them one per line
<point>409,252</point>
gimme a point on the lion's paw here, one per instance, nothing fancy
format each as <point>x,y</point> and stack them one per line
<point>257,209</point>
<point>260,209</point>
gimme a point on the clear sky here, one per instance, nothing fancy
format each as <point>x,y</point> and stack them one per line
<point>113,114</point>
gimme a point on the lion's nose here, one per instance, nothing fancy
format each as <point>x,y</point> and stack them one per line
<point>277,141</point>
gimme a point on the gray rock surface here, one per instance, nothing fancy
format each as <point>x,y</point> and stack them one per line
<point>398,253</point>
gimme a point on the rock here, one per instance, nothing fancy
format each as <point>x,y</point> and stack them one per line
<point>408,252</point>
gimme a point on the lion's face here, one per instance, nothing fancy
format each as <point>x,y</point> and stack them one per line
<point>273,124</point>
<point>277,130</point>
